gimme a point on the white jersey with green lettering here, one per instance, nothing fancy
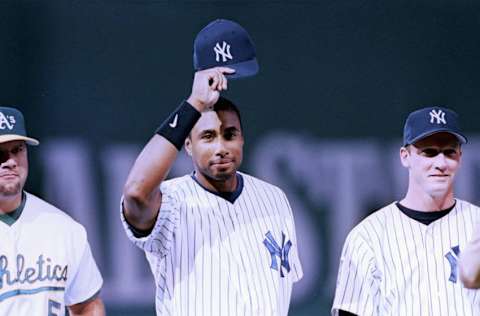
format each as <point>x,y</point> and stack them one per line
<point>45,262</point>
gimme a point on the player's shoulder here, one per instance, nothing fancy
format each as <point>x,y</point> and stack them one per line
<point>43,211</point>
<point>463,206</point>
<point>177,182</point>
<point>252,181</point>
<point>379,216</point>
<point>376,221</point>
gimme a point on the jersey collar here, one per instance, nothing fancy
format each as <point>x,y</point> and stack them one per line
<point>425,218</point>
<point>11,218</point>
<point>229,196</point>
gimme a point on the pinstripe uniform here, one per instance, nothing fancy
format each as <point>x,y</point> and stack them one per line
<point>392,264</point>
<point>213,257</point>
<point>45,262</point>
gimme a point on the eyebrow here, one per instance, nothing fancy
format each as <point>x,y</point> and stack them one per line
<point>231,128</point>
<point>207,131</point>
<point>9,149</point>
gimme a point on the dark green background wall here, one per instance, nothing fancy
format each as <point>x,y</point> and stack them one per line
<point>108,72</point>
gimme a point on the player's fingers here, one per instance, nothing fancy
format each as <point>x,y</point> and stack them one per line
<point>219,79</point>
<point>224,82</point>
<point>221,82</point>
<point>214,78</point>
<point>226,70</point>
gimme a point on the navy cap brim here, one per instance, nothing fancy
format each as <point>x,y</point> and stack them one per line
<point>461,138</point>
<point>244,69</point>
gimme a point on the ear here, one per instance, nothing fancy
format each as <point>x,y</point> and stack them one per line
<point>404,157</point>
<point>188,146</point>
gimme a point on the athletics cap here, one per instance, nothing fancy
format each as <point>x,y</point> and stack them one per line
<point>431,120</point>
<point>12,126</point>
<point>225,43</point>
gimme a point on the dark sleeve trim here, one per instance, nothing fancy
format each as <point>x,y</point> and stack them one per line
<point>137,233</point>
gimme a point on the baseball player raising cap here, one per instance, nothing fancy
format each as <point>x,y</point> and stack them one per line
<point>45,259</point>
<point>402,259</point>
<point>218,241</point>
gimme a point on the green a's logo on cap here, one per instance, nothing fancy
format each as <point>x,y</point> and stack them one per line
<point>7,121</point>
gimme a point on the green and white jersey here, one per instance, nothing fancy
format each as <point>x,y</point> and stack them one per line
<point>45,261</point>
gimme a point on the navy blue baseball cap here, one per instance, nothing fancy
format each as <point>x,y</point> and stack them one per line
<point>12,126</point>
<point>224,43</point>
<point>431,120</point>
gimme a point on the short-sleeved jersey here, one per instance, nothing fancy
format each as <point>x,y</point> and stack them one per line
<point>213,257</point>
<point>45,262</point>
<point>392,264</point>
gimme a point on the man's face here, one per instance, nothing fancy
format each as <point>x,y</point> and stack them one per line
<point>216,145</point>
<point>13,167</point>
<point>433,163</point>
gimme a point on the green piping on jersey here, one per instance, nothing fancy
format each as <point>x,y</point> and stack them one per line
<point>12,217</point>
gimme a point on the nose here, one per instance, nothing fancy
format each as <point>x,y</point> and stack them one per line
<point>221,148</point>
<point>440,162</point>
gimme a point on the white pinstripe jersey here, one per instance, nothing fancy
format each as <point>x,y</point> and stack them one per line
<point>211,257</point>
<point>394,265</point>
<point>45,262</point>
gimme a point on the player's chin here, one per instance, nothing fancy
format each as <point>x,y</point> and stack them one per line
<point>223,174</point>
<point>10,189</point>
<point>439,189</point>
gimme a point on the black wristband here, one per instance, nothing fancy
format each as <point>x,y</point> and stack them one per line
<point>179,124</point>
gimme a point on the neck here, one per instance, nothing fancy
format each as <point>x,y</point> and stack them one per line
<point>227,185</point>
<point>9,204</point>
<point>424,202</point>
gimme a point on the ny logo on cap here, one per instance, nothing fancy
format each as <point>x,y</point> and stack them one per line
<point>224,51</point>
<point>6,121</point>
<point>437,115</point>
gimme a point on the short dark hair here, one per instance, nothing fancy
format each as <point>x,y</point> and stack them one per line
<point>224,104</point>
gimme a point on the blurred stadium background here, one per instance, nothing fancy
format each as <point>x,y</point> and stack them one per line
<point>323,119</point>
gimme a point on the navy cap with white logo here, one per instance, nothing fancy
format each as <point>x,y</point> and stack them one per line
<point>431,120</point>
<point>12,126</point>
<point>224,43</point>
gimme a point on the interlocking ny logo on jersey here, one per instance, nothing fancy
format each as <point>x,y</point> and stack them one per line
<point>439,116</point>
<point>6,121</point>
<point>452,257</point>
<point>277,251</point>
<point>223,51</point>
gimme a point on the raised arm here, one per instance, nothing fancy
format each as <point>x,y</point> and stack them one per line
<point>142,196</point>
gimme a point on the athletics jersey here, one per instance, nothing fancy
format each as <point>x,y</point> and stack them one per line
<point>45,262</point>
<point>213,257</point>
<point>394,265</point>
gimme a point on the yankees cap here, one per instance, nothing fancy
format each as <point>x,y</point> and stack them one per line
<point>431,120</point>
<point>12,126</point>
<point>224,43</point>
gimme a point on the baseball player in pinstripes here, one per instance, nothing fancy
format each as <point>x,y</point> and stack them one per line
<point>402,259</point>
<point>45,260</point>
<point>218,241</point>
